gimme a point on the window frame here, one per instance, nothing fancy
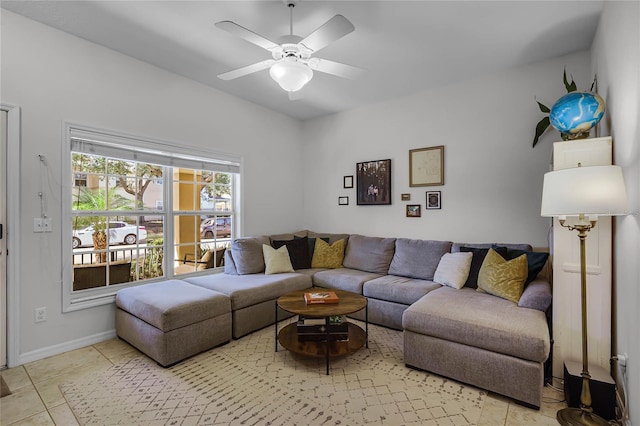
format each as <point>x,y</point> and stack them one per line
<point>178,155</point>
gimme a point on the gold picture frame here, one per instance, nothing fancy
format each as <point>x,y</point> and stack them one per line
<point>426,166</point>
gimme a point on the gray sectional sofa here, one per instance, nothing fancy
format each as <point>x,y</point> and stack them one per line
<point>464,334</point>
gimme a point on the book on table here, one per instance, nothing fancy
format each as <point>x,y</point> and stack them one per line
<point>320,297</point>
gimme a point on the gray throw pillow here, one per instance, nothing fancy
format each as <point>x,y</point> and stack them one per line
<point>418,258</point>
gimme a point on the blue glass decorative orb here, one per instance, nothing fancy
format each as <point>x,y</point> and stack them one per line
<point>576,113</point>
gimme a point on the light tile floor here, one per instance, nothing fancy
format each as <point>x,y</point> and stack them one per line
<point>37,400</point>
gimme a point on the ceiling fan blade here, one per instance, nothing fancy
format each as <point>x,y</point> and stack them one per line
<point>239,72</point>
<point>240,31</point>
<point>335,28</point>
<point>335,68</point>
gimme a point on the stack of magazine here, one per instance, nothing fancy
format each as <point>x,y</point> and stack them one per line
<point>313,329</point>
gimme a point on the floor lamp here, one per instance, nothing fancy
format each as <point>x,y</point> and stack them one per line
<point>585,193</point>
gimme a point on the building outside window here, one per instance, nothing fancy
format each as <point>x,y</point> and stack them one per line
<point>127,225</point>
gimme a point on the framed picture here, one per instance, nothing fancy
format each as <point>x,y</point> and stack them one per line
<point>405,197</point>
<point>413,210</point>
<point>426,166</point>
<point>347,182</point>
<point>373,182</point>
<point>343,201</point>
<point>433,199</point>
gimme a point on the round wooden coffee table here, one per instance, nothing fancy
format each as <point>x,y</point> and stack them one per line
<point>349,303</point>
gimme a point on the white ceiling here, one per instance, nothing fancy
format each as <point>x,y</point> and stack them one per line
<point>405,46</point>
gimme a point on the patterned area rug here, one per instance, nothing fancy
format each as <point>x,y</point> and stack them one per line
<point>246,383</point>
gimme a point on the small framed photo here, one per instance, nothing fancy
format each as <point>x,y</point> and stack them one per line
<point>413,210</point>
<point>433,200</point>
<point>347,182</point>
<point>343,201</point>
<point>405,197</point>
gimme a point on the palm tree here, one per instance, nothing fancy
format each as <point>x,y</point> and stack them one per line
<point>96,200</point>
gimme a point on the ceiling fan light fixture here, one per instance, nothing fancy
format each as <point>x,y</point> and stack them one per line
<point>290,74</point>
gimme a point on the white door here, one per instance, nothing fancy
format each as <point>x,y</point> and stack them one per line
<point>3,240</point>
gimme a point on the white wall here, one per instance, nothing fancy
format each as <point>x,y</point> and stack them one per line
<point>616,60</point>
<point>493,177</point>
<point>55,77</point>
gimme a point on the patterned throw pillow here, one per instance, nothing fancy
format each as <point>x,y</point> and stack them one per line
<point>276,261</point>
<point>328,256</point>
<point>503,278</point>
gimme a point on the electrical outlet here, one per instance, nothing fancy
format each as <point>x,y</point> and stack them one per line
<point>46,225</point>
<point>37,224</point>
<point>41,314</point>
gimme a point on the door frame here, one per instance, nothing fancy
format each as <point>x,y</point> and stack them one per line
<point>12,228</point>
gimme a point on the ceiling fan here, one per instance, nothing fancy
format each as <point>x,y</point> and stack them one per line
<point>292,65</point>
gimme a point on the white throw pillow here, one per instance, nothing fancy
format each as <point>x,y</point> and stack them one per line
<point>453,269</point>
<point>276,261</point>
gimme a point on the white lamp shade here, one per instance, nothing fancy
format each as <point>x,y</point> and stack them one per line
<point>291,75</point>
<point>593,190</point>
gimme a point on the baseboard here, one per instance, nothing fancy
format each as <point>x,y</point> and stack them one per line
<point>41,353</point>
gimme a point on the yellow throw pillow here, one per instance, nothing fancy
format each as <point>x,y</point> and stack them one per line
<point>503,278</point>
<point>328,256</point>
<point>276,261</point>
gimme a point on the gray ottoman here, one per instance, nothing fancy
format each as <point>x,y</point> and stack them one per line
<point>172,320</point>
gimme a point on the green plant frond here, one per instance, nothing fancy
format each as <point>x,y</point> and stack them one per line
<point>571,87</point>
<point>543,107</point>
<point>540,129</point>
<point>594,85</point>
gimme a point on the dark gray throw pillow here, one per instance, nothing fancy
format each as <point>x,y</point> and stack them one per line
<point>298,251</point>
<point>535,261</point>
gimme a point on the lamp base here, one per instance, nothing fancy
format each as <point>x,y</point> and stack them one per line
<point>576,417</point>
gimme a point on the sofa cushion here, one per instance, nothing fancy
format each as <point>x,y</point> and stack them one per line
<point>417,258</point>
<point>288,236</point>
<point>276,261</point>
<point>298,249</point>
<point>480,320</point>
<point>476,262</point>
<point>332,238</point>
<point>343,279</point>
<point>172,304</point>
<point>453,269</point>
<point>251,289</point>
<point>501,277</point>
<point>247,254</point>
<point>536,295</point>
<point>229,264</point>
<point>328,256</point>
<point>370,254</point>
<point>392,288</point>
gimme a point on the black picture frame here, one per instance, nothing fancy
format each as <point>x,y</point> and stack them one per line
<point>433,200</point>
<point>373,182</point>
<point>343,201</point>
<point>347,181</point>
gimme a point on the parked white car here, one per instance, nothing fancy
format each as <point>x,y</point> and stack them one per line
<point>119,233</point>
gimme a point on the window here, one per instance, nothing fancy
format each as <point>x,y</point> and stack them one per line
<point>143,210</point>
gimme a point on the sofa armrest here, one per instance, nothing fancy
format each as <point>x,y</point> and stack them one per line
<point>537,295</point>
